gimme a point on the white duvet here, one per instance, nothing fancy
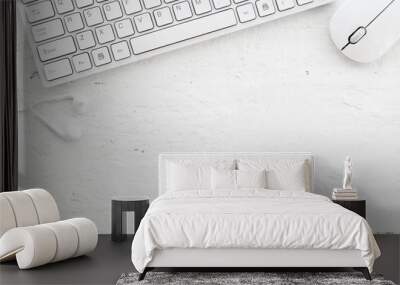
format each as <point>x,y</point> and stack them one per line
<point>250,219</point>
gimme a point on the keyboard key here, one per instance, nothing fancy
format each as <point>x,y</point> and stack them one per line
<point>184,31</point>
<point>112,10</point>
<point>143,22</point>
<point>285,4</point>
<point>120,50</point>
<point>124,28</point>
<point>201,6</point>
<point>73,22</point>
<point>93,16</point>
<point>83,3</point>
<point>182,11</point>
<point>238,1</point>
<point>163,16</point>
<point>39,11</point>
<point>57,69</point>
<point>218,4</point>
<point>101,56</point>
<point>265,7</point>
<point>64,6</point>
<point>47,30</point>
<point>56,48</point>
<point>81,62</point>
<point>85,40</point>
<point>131,6</point>
<point>151,3</point>
<point>246,12</point>
<point>169,1</point>
<point>304,2</point>
<point>105,34</point>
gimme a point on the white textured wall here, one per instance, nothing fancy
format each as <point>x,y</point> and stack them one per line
<point>277,87</point>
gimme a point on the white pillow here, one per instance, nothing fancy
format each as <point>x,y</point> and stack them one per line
<point>223,179</point>
<point>282,174</point>
<point>253,178</point>
<point>188,177</point>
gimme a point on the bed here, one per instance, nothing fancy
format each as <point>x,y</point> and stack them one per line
<point>247,210</point>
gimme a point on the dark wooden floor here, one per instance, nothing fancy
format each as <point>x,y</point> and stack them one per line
<point>110,260</point>
<point>103,266</point>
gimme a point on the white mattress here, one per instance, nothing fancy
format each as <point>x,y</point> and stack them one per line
<point>250,219</point>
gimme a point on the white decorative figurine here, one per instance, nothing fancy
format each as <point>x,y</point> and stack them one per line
<point>348,173</point>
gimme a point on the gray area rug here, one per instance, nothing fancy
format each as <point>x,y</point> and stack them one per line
<point>268,278</point>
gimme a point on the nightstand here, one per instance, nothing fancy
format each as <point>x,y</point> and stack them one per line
<point>121,205</point>
<point>357,206</point>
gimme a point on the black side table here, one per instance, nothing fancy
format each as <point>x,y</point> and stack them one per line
<point>121,205</point>
<point>357,206</point>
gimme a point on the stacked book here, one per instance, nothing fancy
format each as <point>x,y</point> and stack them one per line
<point>344,194</point>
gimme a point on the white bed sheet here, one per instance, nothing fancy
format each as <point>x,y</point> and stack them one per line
<point>251,218</point>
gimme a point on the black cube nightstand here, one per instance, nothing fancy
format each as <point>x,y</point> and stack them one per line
<point>121,205</point>
<point>357,206</point>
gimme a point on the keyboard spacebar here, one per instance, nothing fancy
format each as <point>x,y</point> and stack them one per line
<point>184,31</point>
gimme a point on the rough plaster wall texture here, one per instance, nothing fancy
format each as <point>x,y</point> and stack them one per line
<point>281,86</point>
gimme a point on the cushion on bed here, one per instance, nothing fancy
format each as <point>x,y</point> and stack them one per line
<point>183,177</point>
<point>187,174</point>
<point>282,174</point>
<point>252,178</point>
<point>223,179</point>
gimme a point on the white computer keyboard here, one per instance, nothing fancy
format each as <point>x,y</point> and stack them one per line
<point>72,39</point>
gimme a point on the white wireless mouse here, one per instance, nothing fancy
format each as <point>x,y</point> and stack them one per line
<point>364,30</point>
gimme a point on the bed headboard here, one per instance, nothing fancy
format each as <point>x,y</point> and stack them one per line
<point>164,157</point>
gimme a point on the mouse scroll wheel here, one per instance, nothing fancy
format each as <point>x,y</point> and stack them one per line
<point>357,35</point>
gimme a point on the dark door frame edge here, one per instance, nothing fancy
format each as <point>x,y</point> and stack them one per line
<point>8,97</point>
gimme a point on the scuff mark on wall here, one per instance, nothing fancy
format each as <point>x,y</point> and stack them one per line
<point>352,106</point>
<point>66,127</point>
<point>34,75</point>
